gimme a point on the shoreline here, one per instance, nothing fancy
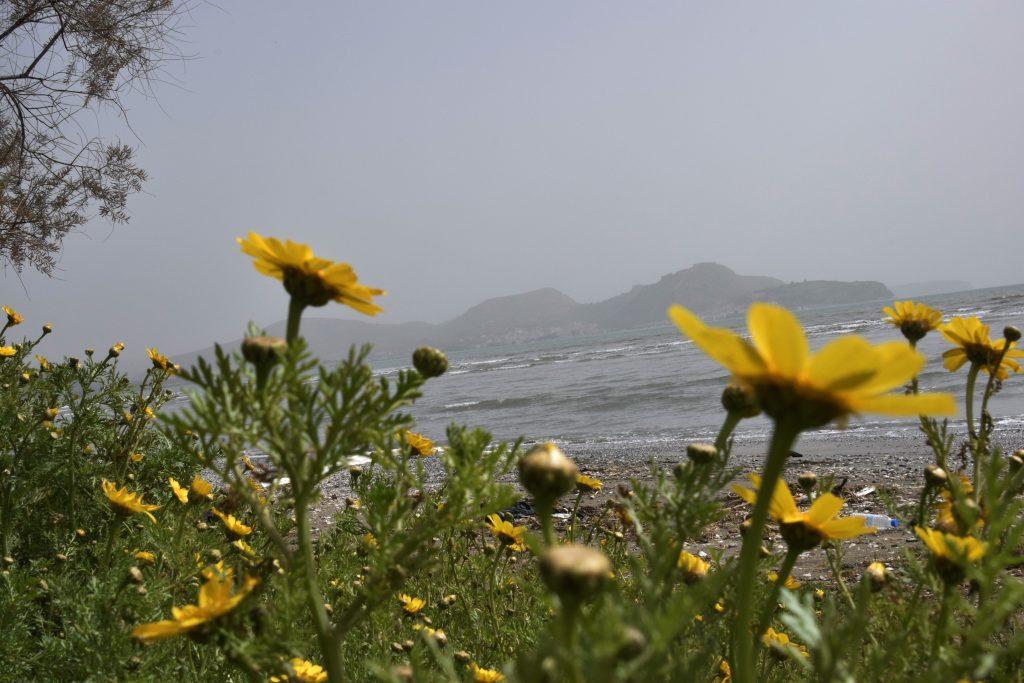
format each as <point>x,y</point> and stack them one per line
<point>878,470</point>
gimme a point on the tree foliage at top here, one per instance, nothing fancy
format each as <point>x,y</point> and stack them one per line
<point>62,64</point>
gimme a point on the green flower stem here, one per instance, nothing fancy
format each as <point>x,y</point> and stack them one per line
<point>833,564</point>
<point>6,514</point>
<point>943,623</point>
<point>981,448</point>
<point>783,438</point>
<point>993,371</point>
<point>178,530</point>
<point>732,419</point>
<point>572,520</point>
<point>112,533</point>
<point>498,554</point>
<point>913,383</point>
<point>769,607</point>
<point>546,523</point>
<point>922,503</point>
<point>295,308</point>
<point>329,645</point>
<point>972,376</point>
<point>567,634</point>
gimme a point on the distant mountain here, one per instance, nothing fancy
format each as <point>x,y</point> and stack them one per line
<point>704,288</point>
<point>707,288</point>
<point>914,289</point>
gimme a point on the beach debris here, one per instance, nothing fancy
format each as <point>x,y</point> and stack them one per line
<point>866,491</point>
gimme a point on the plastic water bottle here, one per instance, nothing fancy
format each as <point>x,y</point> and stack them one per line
<point>878,521</point>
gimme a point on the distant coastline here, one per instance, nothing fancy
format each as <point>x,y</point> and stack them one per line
<point>708,288</point>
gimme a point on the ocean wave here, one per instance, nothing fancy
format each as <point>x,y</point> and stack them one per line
<point>462,404</point>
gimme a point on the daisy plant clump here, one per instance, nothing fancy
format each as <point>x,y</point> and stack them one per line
<point>800,390</point>
<point>311,421</point>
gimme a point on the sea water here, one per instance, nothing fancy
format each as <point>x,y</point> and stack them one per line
<point>651,389</point>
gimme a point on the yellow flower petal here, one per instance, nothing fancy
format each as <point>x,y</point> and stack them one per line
<point>778,337</point>
<point>909,405</point>
<point>824,508</point>
<point>843,363</point>
<point>724,346</point>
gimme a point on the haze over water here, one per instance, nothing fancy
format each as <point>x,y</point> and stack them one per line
<point>650,390</point>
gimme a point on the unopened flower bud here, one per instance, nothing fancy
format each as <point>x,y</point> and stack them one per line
<point>740,400</point>
<point>74,363</point>
<point>48,328</point>
<point>263,351</point>
<point>403,672</point>
<point>632,645</point>
<point>462,657</point>
<point>807,481</point>
<point>877,576</point>
<point>429,362</point>
<point>546,473</point>
<point>574,572</point>
<point>115,350</point>
<point>679,470</point>
<point>935,476</point>
<point>135,575</point>
<point>89,352</point>
<point>1016,461</point>
<point>25,378</point>
<point>1011,333</point>
<point>701,453</point>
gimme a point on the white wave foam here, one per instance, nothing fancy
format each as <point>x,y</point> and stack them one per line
<point>463,404</point>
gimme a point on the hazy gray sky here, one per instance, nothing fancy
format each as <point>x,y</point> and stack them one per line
<point>453,151</point>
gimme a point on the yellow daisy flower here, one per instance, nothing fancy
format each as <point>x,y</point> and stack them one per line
<point>481,675</point>
<point>944,519</point>
<point>126,502</point>
<point>216,598</point>
<point>244,548</point>
<point>145,557</point>
<point>13,317</point>
<point>724,672</point>
<point>951,553</point>
<point>849,375</point>
<point>791,583</point>
<point>201,488</point>
<point>971,341</point>
<point>915,320</point>
<point>419,444</point>
<point>805,530</point>
<point>509,535</point>
<point>43,363</point>
<point>587,484</point>
<point>304,671</point>
<point>7,351</point>
<point>232,525</point>
<point>180,492</point>
<point>781,643</point>
<point>159,360</point>
<point>694,568</point>
<point>313,281</point>
<point>411,605</point>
